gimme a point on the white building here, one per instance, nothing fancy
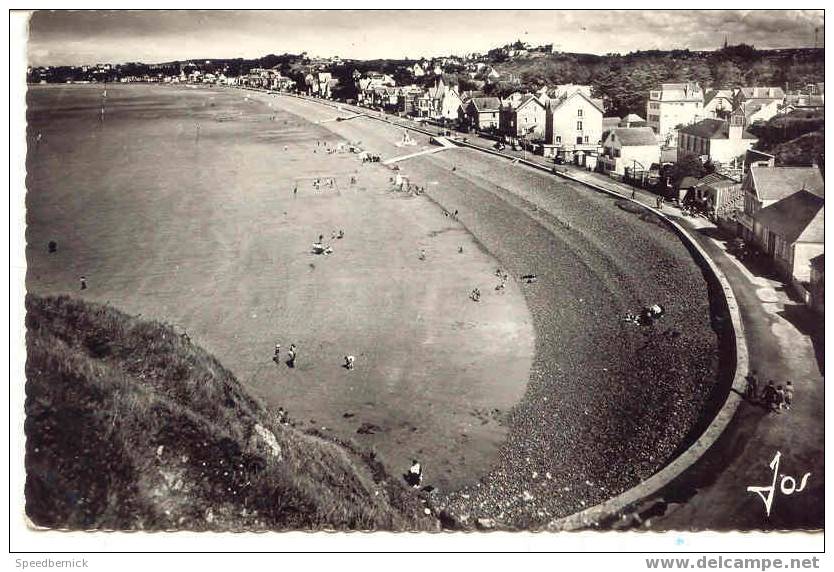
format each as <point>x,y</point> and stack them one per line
<point>722,141</point>
<point>719,103</point>
<point>634,148</point>
<point>672,105</point>
<point>573,125</point>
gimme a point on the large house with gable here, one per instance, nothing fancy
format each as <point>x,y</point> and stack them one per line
<point>573,126</point>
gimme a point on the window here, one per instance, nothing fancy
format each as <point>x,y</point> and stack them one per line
<point>579,126</point>
<point>579,140</point>
<point>558,139</point>
<point>579,113</point>
<point>586,140</point>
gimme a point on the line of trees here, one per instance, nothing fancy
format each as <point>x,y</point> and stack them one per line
<point>624,81</point>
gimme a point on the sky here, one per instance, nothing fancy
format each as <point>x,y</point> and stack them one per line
<point>88,37</point>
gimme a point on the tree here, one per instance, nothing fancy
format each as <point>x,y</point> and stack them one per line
<point>727,75</point>
<point>687,165</point>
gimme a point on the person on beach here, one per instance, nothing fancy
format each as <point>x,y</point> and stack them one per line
<point>83,283</point>
<point>788,395</point>
<point>422,254</point>
<point>460,250</point>
<point>752,385</point>
<point>414,476</point>
<point>349,362</point>
<point>652,313</point>
<point>295,190</point>
<point>276,356</point>
<point>476,295</point>
<point>291,355</point>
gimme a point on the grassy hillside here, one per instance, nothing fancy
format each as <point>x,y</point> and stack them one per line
<point>130,426</point>
<point>796,138</point>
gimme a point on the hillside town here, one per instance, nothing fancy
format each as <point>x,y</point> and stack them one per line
<point>708,148</point>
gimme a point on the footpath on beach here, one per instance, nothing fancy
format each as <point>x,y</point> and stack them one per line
<point>779,341</point>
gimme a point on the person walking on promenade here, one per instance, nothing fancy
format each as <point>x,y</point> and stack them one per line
<point>779,400</point>
<point>788,395</point>
<point>83,283</point>
<point>769,395</point>
<point>752,386</point>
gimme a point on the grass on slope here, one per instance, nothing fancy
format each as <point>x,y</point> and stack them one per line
<point>129,426</point>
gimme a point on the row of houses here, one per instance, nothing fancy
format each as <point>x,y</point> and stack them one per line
<point>780,210</point>
<point>265,79</point>
<point>674,104</point>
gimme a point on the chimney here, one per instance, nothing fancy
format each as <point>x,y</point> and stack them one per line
<point>736,130</point>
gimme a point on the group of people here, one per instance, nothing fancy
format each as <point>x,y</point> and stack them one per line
<point>647,316</point>
<point>503,277</point>
<point>318,182</point>
<point>292,354</point>
<point>774,397</point>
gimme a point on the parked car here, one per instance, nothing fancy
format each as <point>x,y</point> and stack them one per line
<point>499,146</point>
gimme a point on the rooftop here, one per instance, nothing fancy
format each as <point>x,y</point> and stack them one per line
<point>797,218</point>
<point>633,136</point>
<point>713,129</point>
<point>716,180</point>
<point>774,183</point>
<point>486,103</point>
<point>762,92</point>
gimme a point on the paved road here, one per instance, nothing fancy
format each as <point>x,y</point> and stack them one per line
<point>781,347</point>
